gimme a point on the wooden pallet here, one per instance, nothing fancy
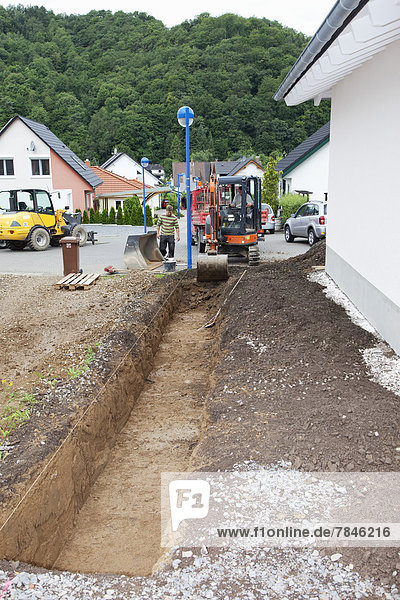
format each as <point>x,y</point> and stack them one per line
<point>74,281</point>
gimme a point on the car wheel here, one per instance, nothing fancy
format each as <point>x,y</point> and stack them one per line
<point>272,231</point>
<point>80,232</point>
<point>39,239</point>
<point>288,234</point>
<point>312,238</point>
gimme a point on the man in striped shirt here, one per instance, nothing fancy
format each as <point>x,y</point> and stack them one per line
<point>166,226</point>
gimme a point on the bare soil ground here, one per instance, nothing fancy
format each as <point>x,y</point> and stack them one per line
<point>45,332</point>
<point>290,356</point>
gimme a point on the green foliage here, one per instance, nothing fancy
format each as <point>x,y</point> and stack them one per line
<point>120,216</point>
<point>97,216</point>
<point>149,216</point>
<point>92,216</point>
<point>85,217</point>
<point>16,411</point>
<point>226,68</point>
<point>270,183</point>
<point>290,203</point>
<point>104,216</point>
<point>111,216</point>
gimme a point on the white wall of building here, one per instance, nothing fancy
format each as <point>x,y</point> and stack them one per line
<point>249,170</point>
<point>15,143</point>
<point>311,174</point>
<point>363,240</point>
<point>125,166</point>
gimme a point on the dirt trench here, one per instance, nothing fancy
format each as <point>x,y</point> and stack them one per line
<point>118,528</point>
<point>82,492</point>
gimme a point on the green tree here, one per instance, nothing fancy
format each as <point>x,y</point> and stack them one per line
<point>85,217</point>
<point>104,216</point>
<point>111,216</point>
<point>120,216</point>
<point>92,216</point>
<point>149,216</point>
<point>270,183</point>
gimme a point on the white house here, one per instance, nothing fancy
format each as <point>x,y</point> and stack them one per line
<point>122,164</point>
<point>31,156</point>
<point>354,59</point>
<point>243,167</point>
<point>305,169</point>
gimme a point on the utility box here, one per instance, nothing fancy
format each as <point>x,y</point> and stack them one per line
<point>70,250</point>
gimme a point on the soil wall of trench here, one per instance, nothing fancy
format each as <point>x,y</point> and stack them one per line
<point>59,454</point>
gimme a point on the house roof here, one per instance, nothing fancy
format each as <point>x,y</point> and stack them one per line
<point>111,182</point>
<point>113,158</point>
<point>351,34</point>
<point>48,137</point>
<point>304,150</point>
<point>231,167</point>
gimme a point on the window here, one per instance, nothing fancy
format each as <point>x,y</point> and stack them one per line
<point>43,203</point>
<point>40,166</point>
<point>6,166</point>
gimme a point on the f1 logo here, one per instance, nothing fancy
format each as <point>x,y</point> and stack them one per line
<point>188,499</point>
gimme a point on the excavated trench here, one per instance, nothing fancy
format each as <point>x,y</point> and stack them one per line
<point>97,507</point>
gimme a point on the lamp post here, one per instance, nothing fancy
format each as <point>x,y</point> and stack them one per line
<point>185,118</point>
<point>144,162</point>
<point>179,189</point>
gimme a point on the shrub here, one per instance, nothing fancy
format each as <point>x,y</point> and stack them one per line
<point>127,216</point>
<point>290,204</point>
<point>120,216</point>
<point>104,216</point>
<point>149,216</point>
<point>97,216</point>
<point>111,216</point>
<point>85,217</point>
<point>92,216</point>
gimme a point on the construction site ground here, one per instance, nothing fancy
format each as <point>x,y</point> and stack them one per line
<point>280,382</point>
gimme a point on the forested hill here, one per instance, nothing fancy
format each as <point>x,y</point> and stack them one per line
<point>103,80</point>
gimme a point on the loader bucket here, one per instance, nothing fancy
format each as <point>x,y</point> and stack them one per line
<point>141,252</point>
<point>212,268</point>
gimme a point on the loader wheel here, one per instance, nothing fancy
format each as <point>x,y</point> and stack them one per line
<point>254,256</point>
<point>80,232</point>
<point>39,239</point>
<point>17,245</point>
<point>55,242</point>
<point>3,244</point>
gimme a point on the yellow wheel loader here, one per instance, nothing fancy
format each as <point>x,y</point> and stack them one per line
<point>28,218</point>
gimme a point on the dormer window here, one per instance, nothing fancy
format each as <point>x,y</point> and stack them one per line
<point>40,166</point>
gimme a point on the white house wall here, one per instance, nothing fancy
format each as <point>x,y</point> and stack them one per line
<point>15,143</point>
<point>363,240</point>
<point>312,174</point>
<point>129,168</point>
<point>249,170</point>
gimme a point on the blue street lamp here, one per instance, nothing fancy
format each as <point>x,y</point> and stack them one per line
<point>179,189</point>
<point>185,118</point>
<point>145,163</point>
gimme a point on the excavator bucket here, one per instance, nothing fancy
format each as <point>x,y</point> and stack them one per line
<point>212,267</point>
<point>141,252</point>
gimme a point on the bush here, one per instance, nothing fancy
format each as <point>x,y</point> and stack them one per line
<point>290,204</point>
<point>97,216</point>
<point>120,216</point>
<point>149,216</point>
<point>104,216</point>
<point>85,217</point>
<point>111,216</point>
<point>127,216</point>
<point>92,216</point>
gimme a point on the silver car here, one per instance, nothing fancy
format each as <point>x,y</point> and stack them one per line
<point>309,222</point>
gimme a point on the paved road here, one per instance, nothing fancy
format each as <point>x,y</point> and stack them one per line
<point>109,250</point>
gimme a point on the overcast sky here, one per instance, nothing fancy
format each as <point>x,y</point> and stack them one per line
<point>304,15</point>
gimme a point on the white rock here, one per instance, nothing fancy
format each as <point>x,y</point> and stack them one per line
<point>336,557</point>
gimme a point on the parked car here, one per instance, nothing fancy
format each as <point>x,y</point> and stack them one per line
<point>309,222</point>
<point>267,218</point>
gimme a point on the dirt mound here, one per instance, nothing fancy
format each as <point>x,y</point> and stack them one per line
<point>314,256</point>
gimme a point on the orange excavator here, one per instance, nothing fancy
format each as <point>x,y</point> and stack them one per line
<point>231,227</point>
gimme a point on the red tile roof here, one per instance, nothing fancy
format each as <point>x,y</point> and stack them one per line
<point>115,183</point>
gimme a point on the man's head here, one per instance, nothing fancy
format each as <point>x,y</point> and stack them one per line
<point>169,210</point>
